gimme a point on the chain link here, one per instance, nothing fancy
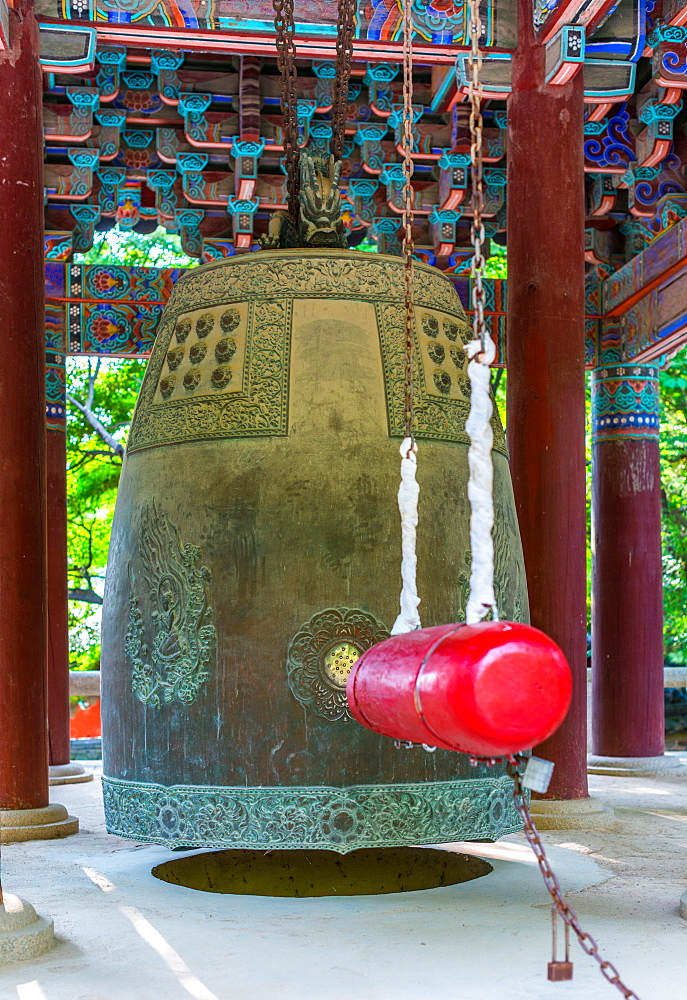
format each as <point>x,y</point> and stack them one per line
<point>344,55</point>
<point>286,61</point>
<point>476,126</point>
<point>561,905</point>
<point>408,246</point>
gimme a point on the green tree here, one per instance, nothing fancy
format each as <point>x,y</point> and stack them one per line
<point>100,402</point>
<point>124,246</point>
<point>497,262</point>
<point>101,397</point>
<point>673,386</point>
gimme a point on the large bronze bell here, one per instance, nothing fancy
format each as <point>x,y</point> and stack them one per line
<point>256,551</point>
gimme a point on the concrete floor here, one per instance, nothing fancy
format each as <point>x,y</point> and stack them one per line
<point>124,934</point>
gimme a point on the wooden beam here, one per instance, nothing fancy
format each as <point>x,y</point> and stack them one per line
<point>590,15</point>
<point>662,260</point>
<point>138,35</point>
<point>656,326</point>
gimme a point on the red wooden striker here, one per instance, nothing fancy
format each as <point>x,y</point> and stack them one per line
<point>492,689</point>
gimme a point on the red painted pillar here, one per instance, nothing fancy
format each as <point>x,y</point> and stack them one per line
<point>23,634</point>
<point>62,770</point>
<point>627,630</point>
<point>58,630</point>
<point>546,379</point>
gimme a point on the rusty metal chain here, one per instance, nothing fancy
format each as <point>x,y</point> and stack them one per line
<point>345,29</point>
<point>560,904</point>
<point>408,247</point>
<point>286,61</point>
<point>476,126</point>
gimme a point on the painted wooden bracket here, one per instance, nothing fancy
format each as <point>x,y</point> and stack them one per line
<point>57,39</point>
<point>565,54</point>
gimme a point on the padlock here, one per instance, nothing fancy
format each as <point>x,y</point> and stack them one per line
<point>559,971</point>
<point>537,774</point>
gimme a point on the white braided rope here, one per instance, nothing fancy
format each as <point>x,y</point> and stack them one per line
<point>408,496</point>
<point>480,485</point>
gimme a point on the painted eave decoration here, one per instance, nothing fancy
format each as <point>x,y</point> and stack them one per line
<point>159,112</point>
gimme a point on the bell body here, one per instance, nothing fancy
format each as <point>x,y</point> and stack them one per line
<point>492,689</point>
<point>255,555</point>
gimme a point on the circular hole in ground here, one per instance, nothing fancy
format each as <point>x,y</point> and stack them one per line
<point>366,872</point>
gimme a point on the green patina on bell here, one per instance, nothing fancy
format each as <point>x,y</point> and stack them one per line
<point>255,554</point>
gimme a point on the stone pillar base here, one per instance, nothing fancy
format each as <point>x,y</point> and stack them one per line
<point>23,934</point>
<point>68,774</point>
<point>571,814</point>
<point>633,767</point>
<point>683,905</point>
<point>49,823</point>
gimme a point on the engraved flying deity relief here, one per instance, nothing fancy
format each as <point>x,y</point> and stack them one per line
<point>176,664</point>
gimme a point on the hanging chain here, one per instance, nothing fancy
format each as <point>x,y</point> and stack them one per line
<point>344,54</point>
<point>286,62</point>
<point>476,125</point>
<point>560,904</point>
<point>408,247</point>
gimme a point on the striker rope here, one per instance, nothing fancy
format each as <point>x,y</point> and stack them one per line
<point>409,490</point>
<point>481,353</point>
